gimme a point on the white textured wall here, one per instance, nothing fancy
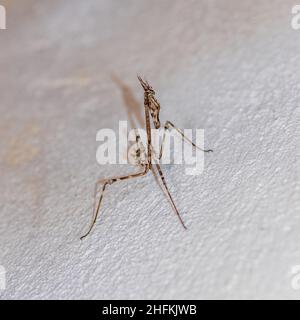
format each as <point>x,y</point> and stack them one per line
<point>230,67</point>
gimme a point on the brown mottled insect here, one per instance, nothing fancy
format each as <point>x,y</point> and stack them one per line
<point>145,158</point>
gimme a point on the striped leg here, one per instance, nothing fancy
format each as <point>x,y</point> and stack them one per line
<point>168,193</point>
<point>168,125</point>
<point>105,184</point>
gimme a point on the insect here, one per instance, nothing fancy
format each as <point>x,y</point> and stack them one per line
<point>145,157</point>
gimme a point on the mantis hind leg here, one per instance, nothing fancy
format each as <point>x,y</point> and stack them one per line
<point>105,183</point>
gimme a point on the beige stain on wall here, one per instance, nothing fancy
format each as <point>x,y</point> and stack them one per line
<point>74,81</point>
<point>21,148</point>
<point>67,82</point>
<point>23,151</point>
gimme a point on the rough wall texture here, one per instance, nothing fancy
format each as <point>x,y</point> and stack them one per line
<point>230,67</point>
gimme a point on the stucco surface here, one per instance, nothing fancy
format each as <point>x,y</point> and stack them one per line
<point>68,69</point>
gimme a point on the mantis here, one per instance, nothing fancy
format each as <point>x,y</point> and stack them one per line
<point>145,158</point>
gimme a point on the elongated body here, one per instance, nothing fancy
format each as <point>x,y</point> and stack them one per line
<point>147,162</point>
